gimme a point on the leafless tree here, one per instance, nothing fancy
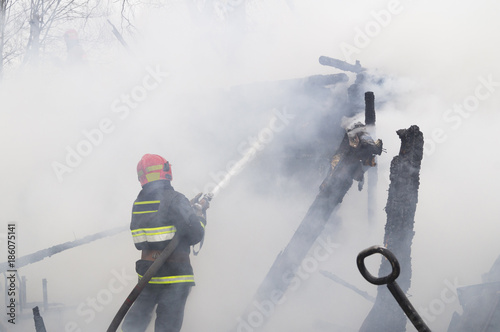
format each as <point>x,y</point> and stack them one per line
<point>45,15</point>
<point>12,23</point>
<point>3,9</point>
<point>30,27</point>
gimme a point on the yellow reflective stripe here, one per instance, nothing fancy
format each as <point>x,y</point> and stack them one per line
<point>152,228</point>
<point>170,280</point>
<point>152,177</point>
<point>154,168</point>
<point>202,225</point>
<point>156,234</point>
<point>146,202</point>
<point>154,231</point>
<point>150,169</point>
<point>152,238</point>
<point>142,212</point>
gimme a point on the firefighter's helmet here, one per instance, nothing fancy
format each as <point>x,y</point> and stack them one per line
<point>153,167</point>
<point>71,34</point>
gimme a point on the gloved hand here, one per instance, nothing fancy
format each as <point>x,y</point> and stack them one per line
<point>205,202</point>
<point>200,206</point>
<point>195,199</point>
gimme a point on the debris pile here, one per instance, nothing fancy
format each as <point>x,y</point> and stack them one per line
<point>356,152</point>
<point>480,303</point>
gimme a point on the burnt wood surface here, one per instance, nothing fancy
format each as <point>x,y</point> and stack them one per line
<point>386,315</point>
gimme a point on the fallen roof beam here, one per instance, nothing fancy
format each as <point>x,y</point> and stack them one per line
<point>44,253</point>
<point>356,150</point>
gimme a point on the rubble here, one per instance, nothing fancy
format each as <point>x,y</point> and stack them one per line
<point>480,303</point>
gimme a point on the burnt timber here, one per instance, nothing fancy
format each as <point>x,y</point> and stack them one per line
<point>44,253</point>
<point>480,304</point>
<point>356,151</point>
<point>342,65</point>
<point>371,174</point>
<point>386,315</point>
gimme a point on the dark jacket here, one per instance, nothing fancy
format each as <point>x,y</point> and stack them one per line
<point>159,213</point>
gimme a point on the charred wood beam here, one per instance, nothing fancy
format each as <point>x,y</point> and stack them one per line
<point>386,315</point>
<point>371,174</point>
<point>369,108</point>
<point>480,304</point>
<point>344,283</point>
<point>342,65</point>
<point>481,309</point>
<point>44,253</point>
<point>39,324</point>
<point>356,150</point>
<point>323,80</point>
<point>45,296</point>
<point>119,37</point>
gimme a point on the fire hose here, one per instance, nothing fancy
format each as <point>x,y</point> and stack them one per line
<point>167,251</point>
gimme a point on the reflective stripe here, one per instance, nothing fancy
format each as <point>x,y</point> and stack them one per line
<point>146,202</point>
<point>150,169</point>
<point>202,225</point>
<point>142,209</point>
<point>170,280</point>
<point>157,234</point>
<point>154,168</point>
<point>152,176</point>
<point>142,212</point>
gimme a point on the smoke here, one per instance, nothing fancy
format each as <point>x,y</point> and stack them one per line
<point>218,90</point>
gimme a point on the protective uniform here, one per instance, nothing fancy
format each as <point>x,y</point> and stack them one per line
<point>159,213</point>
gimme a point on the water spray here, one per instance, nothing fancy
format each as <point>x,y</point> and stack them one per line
<point>237,168</point>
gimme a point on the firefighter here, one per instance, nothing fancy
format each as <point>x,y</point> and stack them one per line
<point>76,54</point>
<point>159,213</point>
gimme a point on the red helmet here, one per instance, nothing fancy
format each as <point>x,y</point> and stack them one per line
<point>71,34</point>
<point>153,167</point>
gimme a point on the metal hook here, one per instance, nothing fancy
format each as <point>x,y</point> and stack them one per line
<point>392,285</point>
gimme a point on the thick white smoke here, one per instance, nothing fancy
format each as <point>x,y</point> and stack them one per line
<point>200,90</point>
